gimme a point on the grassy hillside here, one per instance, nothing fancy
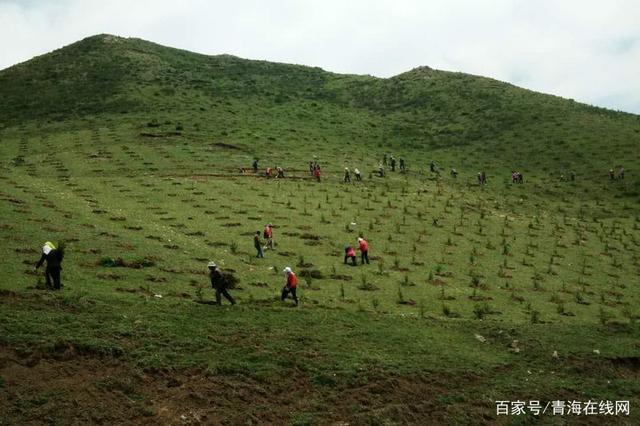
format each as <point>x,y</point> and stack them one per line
<point>130,152</point>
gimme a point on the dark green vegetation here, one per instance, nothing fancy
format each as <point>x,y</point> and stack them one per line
<point>130,153</point>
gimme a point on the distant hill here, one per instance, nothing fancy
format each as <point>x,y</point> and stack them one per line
<point>421,111</point>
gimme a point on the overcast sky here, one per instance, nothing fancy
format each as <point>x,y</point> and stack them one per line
<point>588,50</point>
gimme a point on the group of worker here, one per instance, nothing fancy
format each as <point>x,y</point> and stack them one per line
<point>291,279</point>
<point>53,257</point>
<point>347,175</point>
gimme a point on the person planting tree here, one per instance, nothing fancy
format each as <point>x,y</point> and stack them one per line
<point>53,256</point>
<point>350,253</point>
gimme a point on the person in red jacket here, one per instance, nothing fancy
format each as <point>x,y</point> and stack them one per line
<point>268,236</point>
<point>364,250</point>
<point>316,173</point>
<point>349,252</point>
<point>290,285</point>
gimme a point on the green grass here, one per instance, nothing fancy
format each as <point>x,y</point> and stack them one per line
<point>128,150</point>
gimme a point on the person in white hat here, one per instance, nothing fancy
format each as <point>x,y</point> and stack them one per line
<point>53,256</point>
<point>290,285</point>
<point>218,283</point>
<point>364,250</point>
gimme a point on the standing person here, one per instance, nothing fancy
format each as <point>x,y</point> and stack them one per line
<point>280,171</point>
<point>612,176</point>
<point>393,163</point>
<point>357,173</point>
<point>364,250</point>
<point>381,170</point>
<point>258,245</point>
<point>479,178</point>
<point>217,283</point>
<point>311,168</point>
<point>572,175</point>
<point>384,159</point>
<point>621,173</point>
<point>268,236</point>
<point>347,175</point>
<point>255,165</point>
<point>432,166</point>
<point>53,256</point>
<point>520,178</point>
<point>484,178</point>
<point>350,253</point>
<point>290,285</point>
<point>402,165</point>
<point>316,172</point>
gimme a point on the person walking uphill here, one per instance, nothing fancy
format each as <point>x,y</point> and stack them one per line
<point>364,250</point>
<point>290,285</point>
<point>258,244</point>
<point>217,283</point>
<point>53,256</point>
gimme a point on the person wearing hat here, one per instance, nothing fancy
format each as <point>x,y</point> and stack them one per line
<point>347,175</point>
<point>218,284</point>
<point>53,256</point>
<point>364,250</point>
<point>268,236</point>
<point>357,173</point>
<point>290,285</point>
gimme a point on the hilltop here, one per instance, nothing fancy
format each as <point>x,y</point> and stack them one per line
<point>423,111</point>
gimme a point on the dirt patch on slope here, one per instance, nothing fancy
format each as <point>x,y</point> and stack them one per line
<point>80,389</point>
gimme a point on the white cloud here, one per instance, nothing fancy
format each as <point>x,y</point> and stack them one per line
<point>586,50</point>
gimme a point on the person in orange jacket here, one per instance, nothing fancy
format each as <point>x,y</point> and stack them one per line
<point>290,285</point>
<point>364,250</point>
